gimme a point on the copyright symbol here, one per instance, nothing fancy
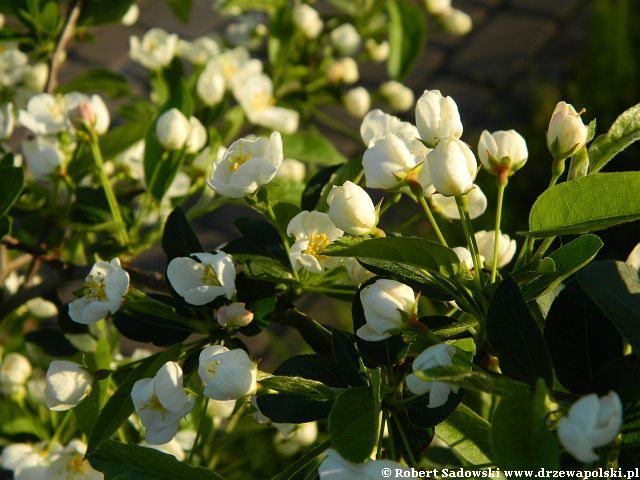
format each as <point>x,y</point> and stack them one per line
<point>386,472</point>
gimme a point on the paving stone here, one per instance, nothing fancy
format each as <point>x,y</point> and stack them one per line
<point>111,45</point>
<point>555,8</point>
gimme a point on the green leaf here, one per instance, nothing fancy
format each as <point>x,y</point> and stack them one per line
<point>132,462</point>
<point>467,433</point>
<point>119,407</point>
<point>615,289</point>
<point>514,335</point>
<point>311,148</point>
<point>181,9</point>
<point>448,327</point>
<point>580,337</point>
<point>587,204</point>
<point>519,434</point>
<point>102,80</point>
<point>100,12</point>
<point>178,238</point>
<point>313,189</point>
<point>407,28</point>
<point>52,342</point>
<point>353,424</point>
<point>348,171</point>
<point>346,355</point>
<point>5,225</point>
<point>623,132</point>
<point>316,335</point>
<point>621,375</point>
<point>11,181</point>
<point>299,387</point>
<point>568,259</point>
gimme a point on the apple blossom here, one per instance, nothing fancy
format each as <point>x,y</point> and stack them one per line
<point>389,161</point>
<point>334,467</point>
<point>476,204</point>
<point>27,461</point>
<point>592,422</point>
<point>161,402</point>
<point>155,51</point>
<point>70,463</point>
<point>357,102</point>
<point>506,247</point>
<point>503,150</point>
<point>246,166</point>
<point>173,129</point>
<point>35,76</point>
<point>633,260</point>
<point>234,315</point>
<point>398,96</point>
<point>102,292</point>
<point>7,121</point>
<point>220,409</point>
<point>437,117</point>
<point>452,166</point>
<point>344,70</point>
<point>44,157</point>
<point>302,435</point>
<point>439,355</point>
<point>387,305</point>
<point>197,138</point>
<point>67,383</point>
<point>566,133</point>
<point>457,22</point>
<point>202,282</point>
<point>464,255</point>
<point>15,370</point>
<point>131,16</point>
<point>346,39</point>
<point>12,65</point>
<point>357,273</point>
<point>376,125</point>
<point>292,170</point>
<point>211,84</point>
<point>307,20</point>
<point>437,7</point>
<point>351,209</point>
<point>236,62</point>
<point>227,374</point>
<point>45,114</point>
<point>378,52</point>
<point>312,231</point>
<point>90,111</point>
<point>172,447</point>
<point>199,51</point>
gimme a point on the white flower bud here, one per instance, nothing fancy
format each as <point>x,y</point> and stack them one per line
<point>439,355</point>
<point>172,129</point>
<point>387,162</point>
<point>292,170</point>
<point>387,305</point>
<point>15,370</point>
<point>592,422</point>
<point>357,102</point>
<point>313,232</point>
<point>633,260</point>
<point>234,315</point>
<point>35,76</point>
<point>437,117</point>
<point>211,84</point>
<point>7,121</point>
<point>346,39</point>
<point>67,383</point>
<point>502,151</point>
<point>197,135</point>
<point>447,206</point>
<point>308,20</point>
<point>302,435</point>
<point>457,22</point>
<point>155,51</point>
<point>379,52</point>
<point>567,133</point>
<point>506,247</point>
<point>202,282</point>
<point>376,124</point>
<point>199,51</point>
<point>227,374</point>
<point>452,166</point>
<point>131,16</point>
<point>352,209</point>
<point>465,257</point>
<point>399,97</point>
<point>437,7</point>
<point>91,112</point>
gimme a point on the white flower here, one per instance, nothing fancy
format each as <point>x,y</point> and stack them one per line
<point>357,102</point>
<point>202,282</point>
<point>161,402</point>
<point>292,170</point>
<point>44,157</point>
<point>399,97</point>
<point>227,374</point>
<point>172,129</point>
<point>132,160</point>
<point>131,16</point>
<point>45,114</point>
<point>313,232</point>
<point>236,62</point>
<point>437,7</point>
<point>452,166</point>
<point>633,260</point>
<point>67,383</point>
<point>254,92</point>
<point>387,305</point>
<point>199,51</point>
<point>357,273</point>
<point>91,111</point>
<point>346,39</point>
<point>70,463</point>
<point>7,121</point>
<point>15,370</point>
<point>37,306</point>
<point>439,355</point>
<point>388,161</point>
<point>302,435</point>
<point>567,133</point>
<point>234,315</point>
<point>465,257</point>
<point>211,84</point>
<point>246,166</point>
<point>457,22</point>
<point>506,247</point>
<point>102,292</point>
<point>379,52</point>
<point>351,209</point>
<point>220,409</point>
<point>27,461</point>
<point>197,138</point>
<point>155,51</point>
<point>334,467</point>
<point>308,20</point>
<point>35,76</point>
<point>437,117</point>
<point>12,65</point>
<point>592,422</point>
<point>502,150</point>
<point>376,125</point>
<point>476,204</point>
<point>172,447</point>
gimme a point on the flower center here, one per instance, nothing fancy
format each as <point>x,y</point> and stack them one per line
<point>94,287</point>
<point>212,367</point>
<point>262,100</point>
<point>238,159</point>
<point>317,243</point>
<point>209,276</point>
<point>77,464</point>
<point>154,404</point>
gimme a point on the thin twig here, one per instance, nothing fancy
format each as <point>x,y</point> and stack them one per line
<point>57,59</point>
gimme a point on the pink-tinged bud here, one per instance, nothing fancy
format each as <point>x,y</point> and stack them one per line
<point>84,114</point>
<point>234,315</point>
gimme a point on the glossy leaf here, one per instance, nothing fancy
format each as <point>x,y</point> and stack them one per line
<point>467,433</point>
<point>311,148</point>
<point>11,180</point>
<point>178,238</point>
<point>353,424</point>
<point>623,132</point>
<point>406,36</point>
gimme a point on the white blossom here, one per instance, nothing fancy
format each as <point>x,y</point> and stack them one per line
<point>437,117</point>
<point>45,114</point>
<point>334,467</point>
<point>351,209</point>
<point>67,383</point>
<point>503,149</point>
<point>202,282</point>
<point>357,102</point>
<point>211,84</point>
<point>307,20</point>
<point>346,39</point>
<point>476,204</point>
<point>457,22</point>
<point>399,97</point>
<point>70,464</point>
<point>378,51</point>
<point>566,133</point>
<point>439,355</point>
<point>44,157</point>
<point>506,247</point>
<point>156,50</point>
<point>172,129</point>
<point>198,52</point>
<point>234,315</point>
<point>452,166</point>
<point>313,232</point>
<point>387,305</point>
<point>197,138</point>
<point>227,374</point>
<point>15,370</point>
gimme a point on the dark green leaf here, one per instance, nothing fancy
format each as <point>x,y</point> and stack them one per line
<point>346,355</point>
<point>624,131</point>
<point>181,9</point>
<point>621,375</point>
<point>406,36</point>
<point>5,225</point>
<point>178,238</point>
<point>348,171</point>
<point>298,387</point>
<point>313,190</point>
<point>52,342</point>
<point>102,80</point>
<point>311,148</point>
<point>467,434</point>
<point>316,335</point>
<point>11,180</point>
<point>100,12</point>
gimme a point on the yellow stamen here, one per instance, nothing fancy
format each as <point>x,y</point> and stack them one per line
<point>237,160</point>
<point>317,243</point>
<point>262,100</point>
<point>94,287</point>
<point>209,276</point>
<point>78,464</point>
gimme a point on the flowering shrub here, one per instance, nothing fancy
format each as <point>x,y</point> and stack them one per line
<point>464,347</point>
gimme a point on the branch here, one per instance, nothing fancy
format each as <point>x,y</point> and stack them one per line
<point>65,37</point>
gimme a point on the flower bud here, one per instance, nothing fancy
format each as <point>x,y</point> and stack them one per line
<point>465,257</point>
<point>7,121</point>
<point>211,85</point>
<point>357,102</point>
<point>14,372</point>
<point>131,16</point>
<point>437,7</point>
<point>592,422</point>
<point>506,247</point>
<point>292,170</point>
<point>83,114</point>
<point>35,76</point>
<point>334,467</point>
<point>386,162</point>
<point>502,151</point>
<point>378,52</point>
<point>437,117</point>
<point>399,97</point>
<point>227,374</point>
<point>387,305</point>
<point>234,315</point>
<point>457,22</point>
<point>197,135</point>
<point>567,133</point>
<point>633,260</point>
<point>439,355</point>
<point>346,39</point>
<point>67,383</point>
<point>452,166</point>
<point>307,19</point>
<point>351,209</point>
<point>172,129</point>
